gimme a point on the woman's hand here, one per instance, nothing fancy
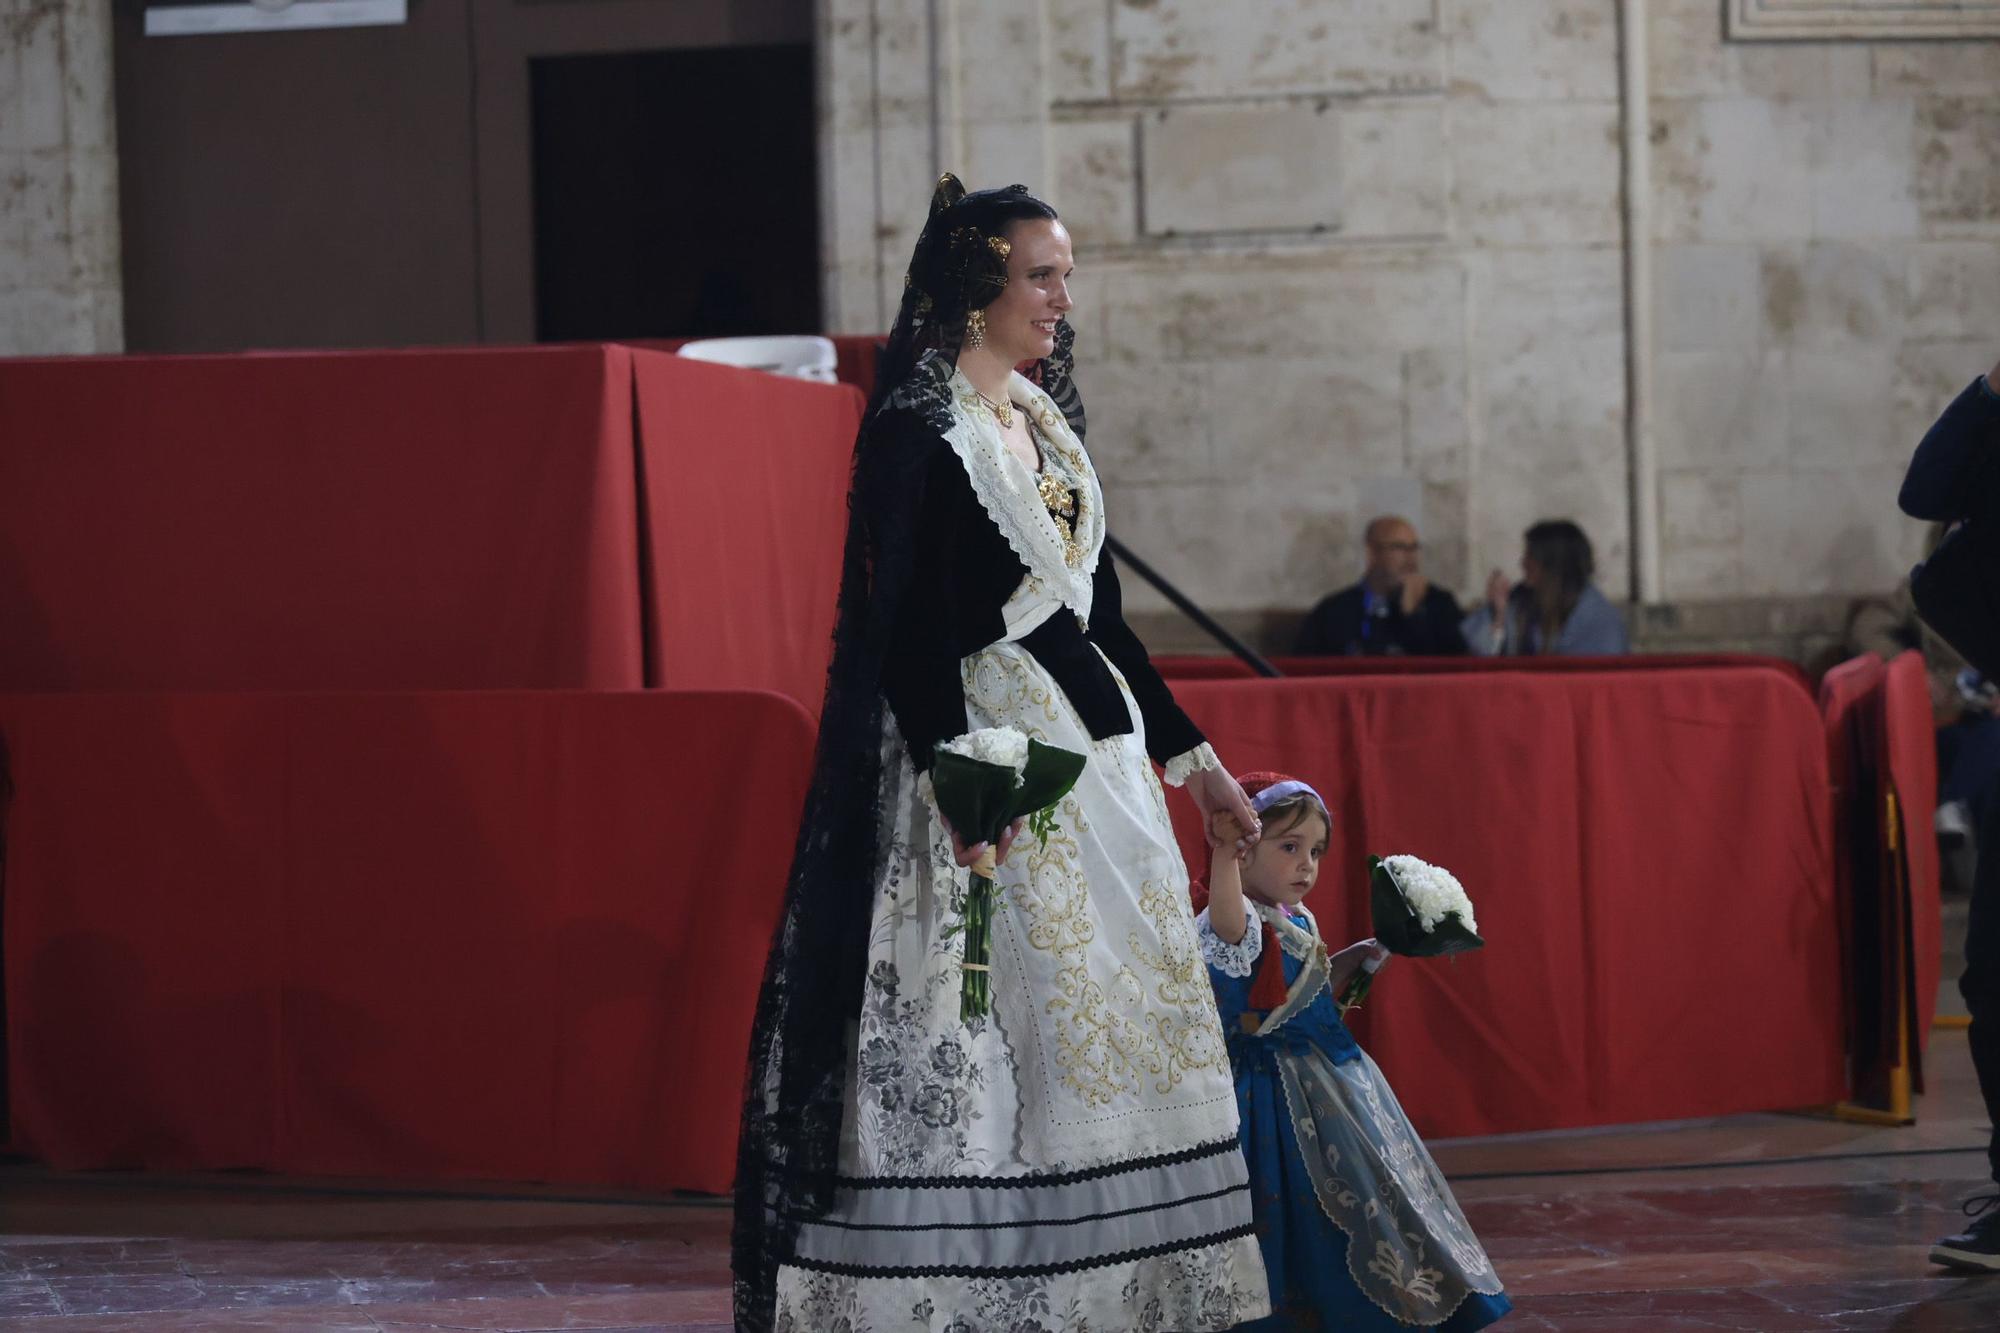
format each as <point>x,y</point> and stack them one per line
<point>1497,588</point>
<point>965,855</point>
<point>1215,792</point>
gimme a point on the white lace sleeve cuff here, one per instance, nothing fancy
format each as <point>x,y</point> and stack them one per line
<point>1188,763</point>
<point>1232,960</point>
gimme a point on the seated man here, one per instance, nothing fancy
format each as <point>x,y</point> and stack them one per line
<point>1393,610</point>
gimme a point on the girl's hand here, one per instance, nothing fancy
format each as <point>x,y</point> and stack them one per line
<point>1497,589</point>
<point>1359,952</point>
<point>1216,793</point>
<point>965,855</point>
<point>1225,830</point>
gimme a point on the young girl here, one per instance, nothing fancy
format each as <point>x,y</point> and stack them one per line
<point>1358,1228</point>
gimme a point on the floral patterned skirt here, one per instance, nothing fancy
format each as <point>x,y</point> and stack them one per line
<point>1071,1162</point>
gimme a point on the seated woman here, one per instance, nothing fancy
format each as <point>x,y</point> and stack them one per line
<point>1555,608</point>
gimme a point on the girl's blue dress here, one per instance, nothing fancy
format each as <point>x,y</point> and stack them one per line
<point>1358,1227</point>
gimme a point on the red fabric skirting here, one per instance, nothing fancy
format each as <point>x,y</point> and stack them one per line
<point>1910,750</point>
<point>1234,668</point>
<point>507,936</point>
<point>519,935</point>
<point>1649,857</point>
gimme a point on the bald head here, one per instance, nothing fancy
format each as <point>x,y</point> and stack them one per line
<point>1393,552</point>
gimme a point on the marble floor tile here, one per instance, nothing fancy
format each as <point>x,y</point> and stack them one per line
<point>1764,1224</point>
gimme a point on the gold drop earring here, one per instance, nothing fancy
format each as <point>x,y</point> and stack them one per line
<point>975,329</point>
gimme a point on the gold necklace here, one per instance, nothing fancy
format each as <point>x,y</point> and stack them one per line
<point>1002,412</point>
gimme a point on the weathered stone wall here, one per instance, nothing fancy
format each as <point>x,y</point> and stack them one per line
<point>1828,247</point>
<point>1339,256</point>
<point>59,281</point>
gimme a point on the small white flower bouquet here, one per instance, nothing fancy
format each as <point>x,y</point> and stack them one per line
<point>1420,911</point>
<point>984,781</point>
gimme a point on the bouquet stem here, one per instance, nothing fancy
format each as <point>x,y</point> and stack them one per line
<point>975,995</point>
<point>1358,986</point>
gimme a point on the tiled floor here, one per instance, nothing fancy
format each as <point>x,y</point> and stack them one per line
<point>1764,1223</point>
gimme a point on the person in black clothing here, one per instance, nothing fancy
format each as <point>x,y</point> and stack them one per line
<point>1393,610</point>
<point>1955,478</point>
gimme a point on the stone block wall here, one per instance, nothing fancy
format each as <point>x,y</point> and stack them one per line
<point>1342,256</point>
<point>1346,256</point>
<point>59,278</point>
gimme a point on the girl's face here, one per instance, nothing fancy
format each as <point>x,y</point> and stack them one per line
<point>1021,321</point>
<point>1284,864</point>
<point>1531,570</point>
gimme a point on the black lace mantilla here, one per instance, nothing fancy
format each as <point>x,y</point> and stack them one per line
<point>788,1153</point>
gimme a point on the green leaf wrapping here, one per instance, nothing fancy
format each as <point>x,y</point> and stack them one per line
<point>980,800</point>
<point>1398,927</point>
<point>976,797</point>
<point>1051,772</point>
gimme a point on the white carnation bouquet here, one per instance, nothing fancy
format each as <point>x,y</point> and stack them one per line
<point>984,781</point>
<point>1420,911</point>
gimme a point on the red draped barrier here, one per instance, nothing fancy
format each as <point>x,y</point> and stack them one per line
<point>362,520</point>
<point>745,478</point>
<point>1909,751</point>
<point>497,935</point>
<point>510,936</point>
<point>1850,703</point>
<point>1649,857</point>
<point>1233,668</point>
<point>1882,751</point>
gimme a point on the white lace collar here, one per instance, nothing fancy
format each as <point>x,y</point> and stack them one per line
<point>1006,487</point>
<point>1302,942</point>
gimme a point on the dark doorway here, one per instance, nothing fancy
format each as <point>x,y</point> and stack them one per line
<point>675,194</point>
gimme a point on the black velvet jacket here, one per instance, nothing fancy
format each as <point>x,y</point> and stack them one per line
<point>962,574</point>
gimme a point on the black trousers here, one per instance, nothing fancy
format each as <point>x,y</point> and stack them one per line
<point>1981,983</point>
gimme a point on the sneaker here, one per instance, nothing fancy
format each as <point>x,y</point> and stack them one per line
<point>1977,1248</point>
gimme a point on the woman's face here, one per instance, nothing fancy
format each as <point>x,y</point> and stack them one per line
<point>1531,570</point>
<point>1021,321</point>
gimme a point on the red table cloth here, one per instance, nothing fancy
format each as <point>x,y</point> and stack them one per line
<point>1648,854</point>
<point>507,936</point>
<point>745,482</point>
<point>363,520</point>
<point>560,517</point>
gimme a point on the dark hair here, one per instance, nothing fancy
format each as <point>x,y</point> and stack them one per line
<point>1559,547</point>
<point>959,265</point>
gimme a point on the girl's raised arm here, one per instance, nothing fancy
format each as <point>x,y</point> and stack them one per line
<point>1227,915</point>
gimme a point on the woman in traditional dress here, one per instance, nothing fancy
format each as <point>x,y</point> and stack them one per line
<point>1071,1162</point>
